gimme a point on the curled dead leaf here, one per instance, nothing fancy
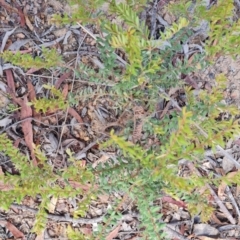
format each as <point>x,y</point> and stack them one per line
<point>113,233</point>
<point>74,114</point>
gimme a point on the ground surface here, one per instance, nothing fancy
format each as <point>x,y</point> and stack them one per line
<point>32,26</point>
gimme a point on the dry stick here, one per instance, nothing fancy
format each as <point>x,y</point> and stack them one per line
<point>234,203</point>
<point>228,227</point>
<point>222,206</point>
<point>173,234</point>
<point>89,146</point>
<point>228,156</point>
<point>61,218</point>
<point>47,125</point>
<point>5,38</point>
<point>216,198</point>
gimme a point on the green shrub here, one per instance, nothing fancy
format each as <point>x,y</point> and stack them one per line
<point>144,174</point>
<point>42,181</point>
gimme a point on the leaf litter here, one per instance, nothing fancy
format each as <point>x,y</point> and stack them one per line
<point>83,140</point>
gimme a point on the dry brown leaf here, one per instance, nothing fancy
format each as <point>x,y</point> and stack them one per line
<point>179,203</point>
<point>28,22</point>
<point>237,190</point>
<point>15,232</point>
<point>104,198</point>
<point>7,6</point>
<point>10,82</point>
<point>74,114</point>
<point>86,230</point>
<point>31,91</point>
<point>85,187</point>
<point>26,112</point>
<point>32,96</point>
<point>40,236</point>
<point>202,190</point>
<point>221,190</point>
<point>102,159</point>
<point>16,142</point>
<point>113,233</point>
<point>52,204</point>
<point>169,18</point>
<point>11,87</point>
<point>232,174</point>
<point>21,15</point>
<point>32,70</point>
<point>61,79</point>
<point>215,220</point>
<point>65,91</point>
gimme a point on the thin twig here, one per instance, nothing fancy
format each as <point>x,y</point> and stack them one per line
<point>5,38</point>
<point>234,203</point>
<point>80,52</point>
<point>47,125</point>
<point>60,218</point>
<point>172,233</point>
<point>89,146</point>
<point>216,198</point>
<point>228,156</point>
<point>62,130</point>
<point>222,206</point>
<point>185,222</point>
<point>228,227</point>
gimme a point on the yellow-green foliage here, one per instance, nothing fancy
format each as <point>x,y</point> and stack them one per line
<point>133,39</point>
<point>186,142</point>
<point>142,173</point>
<point>48,104</point>
<point>93,11</point>
<point>223,32</point>
<point>49,58</point>
<point>82,11</point>
<point>42,180</point>
<point>76,235</point>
